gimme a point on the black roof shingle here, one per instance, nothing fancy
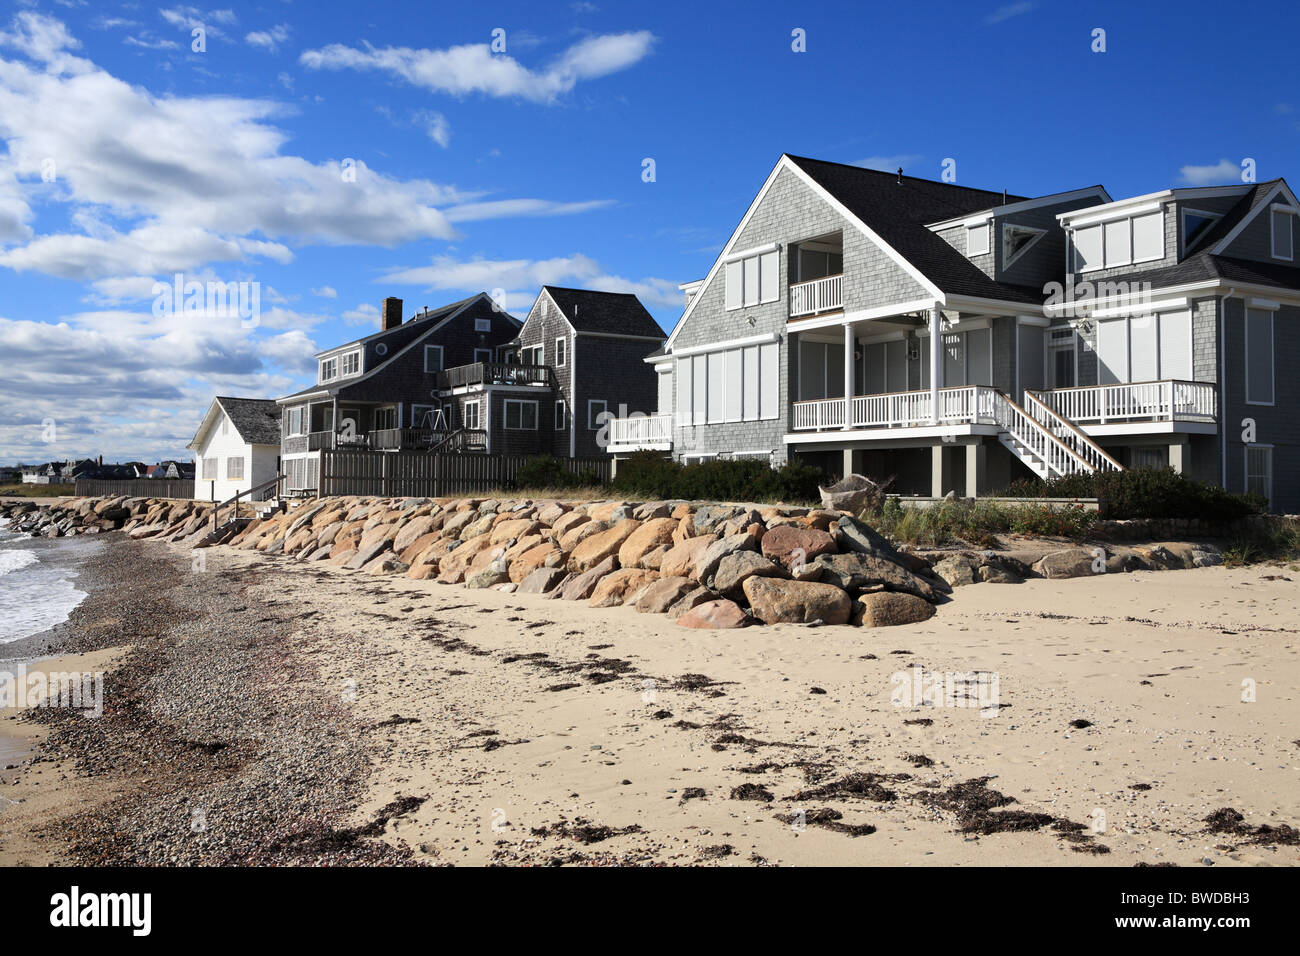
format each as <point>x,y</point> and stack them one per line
<point>256,419</point>
<point>614,313</point>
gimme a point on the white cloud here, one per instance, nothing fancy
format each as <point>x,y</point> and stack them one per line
<point>1009,11</point>
<point>474,68</point>
<point>326,292</point>
<point>515,208</point>
<point>890,164</point>
<point>268,39</point>
<point>436,125</point>
<point>1220,173</point>
<point>477,275</point>
<point>363,314</point>
<point>192,18</point>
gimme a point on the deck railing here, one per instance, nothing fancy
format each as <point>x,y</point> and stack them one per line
<point>968,404</point>
<point>496,373</point>
<point>641,431</point>
<point>818,295</point>
<point>1167,401</point>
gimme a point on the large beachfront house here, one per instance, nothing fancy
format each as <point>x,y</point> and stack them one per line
<point>957,339</point>
<point>471,378</point>
<point>236,447</point>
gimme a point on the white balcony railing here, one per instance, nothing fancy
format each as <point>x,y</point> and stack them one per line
<point>967,405</point>
<point>641,431</point>
<point>819,295</point>
<point>1168,401</point>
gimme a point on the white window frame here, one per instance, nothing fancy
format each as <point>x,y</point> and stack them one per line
<point>1010,260</point>
<point>329,369</point>
<point>230,460</point>
<point>561,415</point>
<point>733,276</point>
<point>561,351</point>
<point>1274,212</point>
<point>592,423</point>
<point>427,350</point>
<point>521,427</point>
<point>528,351</point>
<point>482,325</point>
<point>209,470</point>
<point>487,352</point>
<point>973,230</point>
<point>1132,259</point>
<point>1268,473</point>
<point>465,415</point>
<point>430,410</point>
<point>1272,350</point>
<point>350,358</point>
<point>300,413</point>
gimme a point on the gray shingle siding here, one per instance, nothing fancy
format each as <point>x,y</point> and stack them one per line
<point>1256,240</point>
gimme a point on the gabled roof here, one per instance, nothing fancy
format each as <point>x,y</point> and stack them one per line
<point>609,313</point>
<point>899,211</point>
<point>257,420</point>
<point>1207,267</point>
<point>433,316</point>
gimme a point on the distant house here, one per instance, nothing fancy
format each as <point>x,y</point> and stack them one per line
<point>468,377</point>
<point>58,472</point>
<point>237,447</point>
<point>174,469</point>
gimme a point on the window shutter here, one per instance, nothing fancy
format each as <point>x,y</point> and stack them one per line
<point>1149,236</point>
<point>769,378</point>
<point>733,278</point>
<point>769,276</point>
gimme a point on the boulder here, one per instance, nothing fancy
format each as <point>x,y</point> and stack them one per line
<point>738,567</point>
<point>368,552</point>
<point>416,547</point>
<point>853,493</point>
<point>653,558</point>
<point>580,533</point>
<point>710,518</point>
<point>458,522</point>
<point>663,593</point>
<point>581,584</point>
<point>792,543</point>
<point>387,563</point>
<point>596,548</point>
<point>651,510</point>
<point>709,558</point>
<point>695,596</point>
<point>621,587</point>
<point>411,532</point>
<point>957,569</point>
<point>540,581</point>
<point>713,615</point>
<point>568,521</point>
<point>487,577</point>
<point>1068,563</point>
<point>680,559</point>
<point>524,565</point>
<point>551,512</point>
<point>890,608</point>
<point>854,535</point>
<point>775,601</point>
<point>996,574</point>
<point>515,529</point>
<point>855,571</point>
<point>653,533</point>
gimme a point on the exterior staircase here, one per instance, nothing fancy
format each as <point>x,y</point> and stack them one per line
<point>1048,444</point>
<point>463,440</point>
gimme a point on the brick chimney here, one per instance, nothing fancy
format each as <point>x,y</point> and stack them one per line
<point>391,314</point>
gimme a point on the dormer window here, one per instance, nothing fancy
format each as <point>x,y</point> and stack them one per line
<point>351,363</point>
<point>329,369</point>
<point>1017,240</point>
<point>977,239</point>
<point>1195,226</point>
<point>1119,242</point>
<point>1283,240</point>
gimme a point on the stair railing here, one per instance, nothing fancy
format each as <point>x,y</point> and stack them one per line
<point>1070,433</point>
<point>1056,455</point>
<point>247,491</point>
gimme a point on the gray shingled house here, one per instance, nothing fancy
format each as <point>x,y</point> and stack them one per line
<point>469,377</point>
<point>984,336</point>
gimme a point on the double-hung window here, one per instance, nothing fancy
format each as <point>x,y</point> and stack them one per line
<point>521,415</point>
<point>1283,237</point>
<point>433,358</point>
<point>1259,357</point>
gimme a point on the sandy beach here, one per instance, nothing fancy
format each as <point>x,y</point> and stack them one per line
<point>273,711</point>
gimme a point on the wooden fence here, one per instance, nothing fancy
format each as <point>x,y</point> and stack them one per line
<point>424,475</point>
<point>136,488</point>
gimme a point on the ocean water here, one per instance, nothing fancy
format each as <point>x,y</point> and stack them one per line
<point>37,575</point>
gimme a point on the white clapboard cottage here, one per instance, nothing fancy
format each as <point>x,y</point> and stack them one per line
<point>237,447</point>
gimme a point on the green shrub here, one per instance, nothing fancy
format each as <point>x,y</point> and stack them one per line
<point>649,475</point>
<point>1145,493</point>
<point>544,471</point>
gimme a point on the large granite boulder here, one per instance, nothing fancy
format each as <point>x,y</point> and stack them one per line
<point>856,571</point>
<point>792,543</point>
<point>738,567</point>
<point>652,534</point>
<point>598,547</point>
<point>774,601</point>
<point>891,608</point>
<point>712,615</point>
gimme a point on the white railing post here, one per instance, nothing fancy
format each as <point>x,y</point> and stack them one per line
<point>936,334</point>
<point>848,376</point>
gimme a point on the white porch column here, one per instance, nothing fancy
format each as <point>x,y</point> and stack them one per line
<point>848,376</point>
<point>936,365</point>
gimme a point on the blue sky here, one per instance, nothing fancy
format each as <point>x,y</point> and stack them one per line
<point>129,156</point>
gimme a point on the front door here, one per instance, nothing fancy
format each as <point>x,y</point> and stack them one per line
<point>1061,358</point>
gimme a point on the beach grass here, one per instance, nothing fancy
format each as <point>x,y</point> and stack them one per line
<point>36,491</point>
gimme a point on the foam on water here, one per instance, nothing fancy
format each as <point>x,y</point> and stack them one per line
<point>36,589</point>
